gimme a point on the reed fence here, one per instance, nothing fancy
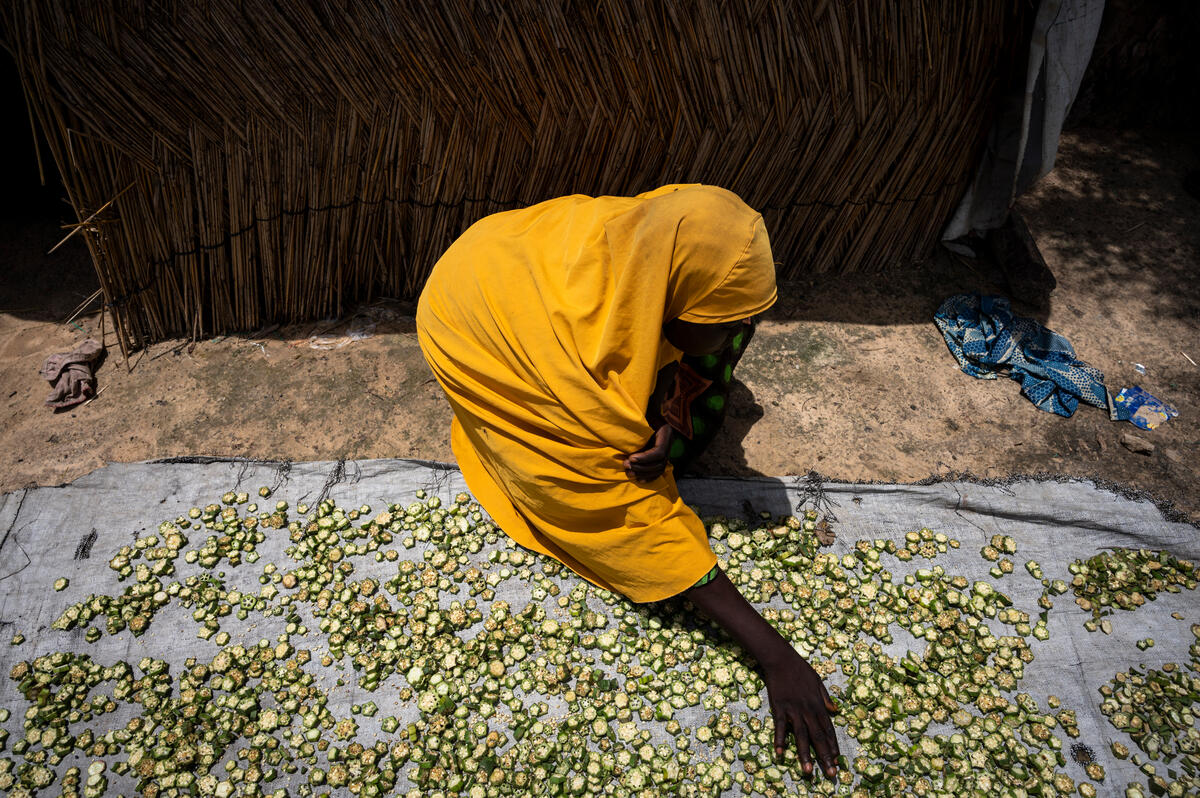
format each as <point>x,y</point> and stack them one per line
<point>240,163</point>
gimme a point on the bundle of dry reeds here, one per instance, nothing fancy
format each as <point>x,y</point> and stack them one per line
<point>280,159</point>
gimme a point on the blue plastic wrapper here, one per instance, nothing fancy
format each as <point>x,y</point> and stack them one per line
<point>1140,408</point>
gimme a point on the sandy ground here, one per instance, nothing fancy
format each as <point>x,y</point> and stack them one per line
<point>847,376</point>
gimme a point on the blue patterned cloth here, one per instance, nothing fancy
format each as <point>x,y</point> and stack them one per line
<point>987,339</point>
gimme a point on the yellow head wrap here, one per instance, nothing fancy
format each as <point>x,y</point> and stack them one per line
<point>544,327</point>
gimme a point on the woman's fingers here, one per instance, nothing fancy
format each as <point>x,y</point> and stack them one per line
<point>648,457</point>
<point>646,472</point>
<point>831,707</point>
<point>800,730</point>
<point>646,460</point>
<point>650,462</point>
<point>801,702</point>
<point>824,738</point>
<point>813,731</point>
<point>821,739</point>
<point>780,730</point>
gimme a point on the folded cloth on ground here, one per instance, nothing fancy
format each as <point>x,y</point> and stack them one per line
<point>987,339</point>
<point>70,374</point>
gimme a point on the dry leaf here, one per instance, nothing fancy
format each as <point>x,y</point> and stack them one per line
<point>825,533</point>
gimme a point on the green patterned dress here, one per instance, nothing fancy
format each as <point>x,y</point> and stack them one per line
<point>707,410</point>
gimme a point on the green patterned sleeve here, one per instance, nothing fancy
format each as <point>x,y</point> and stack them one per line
<point>708,577</point>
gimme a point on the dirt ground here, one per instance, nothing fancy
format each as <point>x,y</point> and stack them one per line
<point>847,376</point>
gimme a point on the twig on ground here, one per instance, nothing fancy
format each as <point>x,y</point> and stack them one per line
<point>94,398</point>
<point>82,305</point>
<point>170,350</point>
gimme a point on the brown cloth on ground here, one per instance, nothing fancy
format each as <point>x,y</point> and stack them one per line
<point>70,374</point>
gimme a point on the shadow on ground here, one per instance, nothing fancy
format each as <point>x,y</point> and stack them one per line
<point>36,285</point>
<point>908,294</point>
<point>1129,219</point>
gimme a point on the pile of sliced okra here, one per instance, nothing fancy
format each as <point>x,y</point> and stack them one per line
<point>571,690</point>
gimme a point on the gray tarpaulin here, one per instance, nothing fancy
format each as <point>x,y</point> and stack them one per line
<point>73,530</point>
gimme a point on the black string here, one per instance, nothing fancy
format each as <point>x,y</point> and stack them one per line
<point>10,533</point>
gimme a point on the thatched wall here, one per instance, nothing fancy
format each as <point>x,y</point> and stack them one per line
<point>275,160</point>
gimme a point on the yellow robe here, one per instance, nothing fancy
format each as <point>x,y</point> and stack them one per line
<point>544,327</point>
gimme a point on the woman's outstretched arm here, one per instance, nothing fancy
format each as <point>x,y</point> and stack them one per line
<point>797,697</point>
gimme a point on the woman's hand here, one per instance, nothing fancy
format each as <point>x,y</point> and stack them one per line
<point>800,703</point>
<point>797,697</point>
<point>650,462</point>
